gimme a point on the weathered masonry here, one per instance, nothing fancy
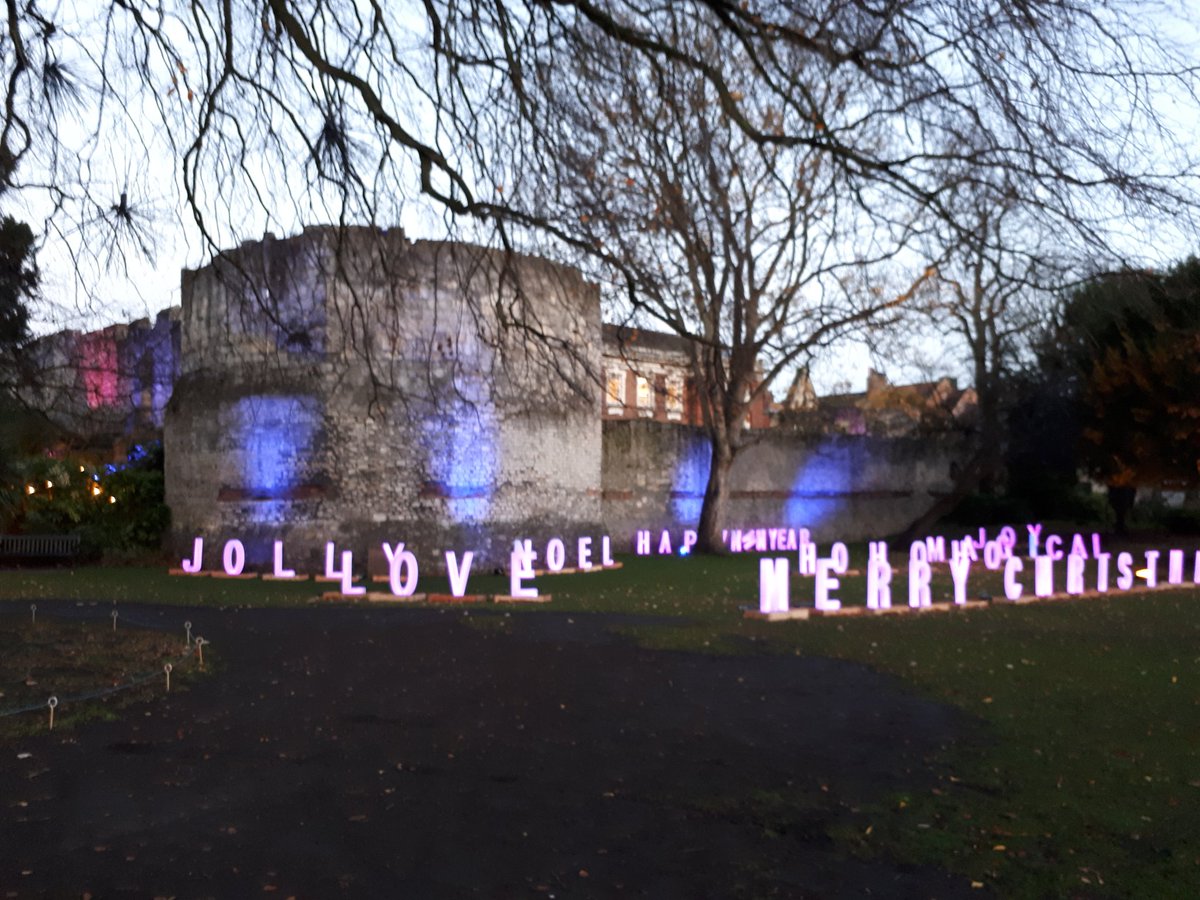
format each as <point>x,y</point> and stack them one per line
<point>353,386</point>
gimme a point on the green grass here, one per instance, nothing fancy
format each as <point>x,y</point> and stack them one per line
<point>1085,780</point>
<point>71,660</point>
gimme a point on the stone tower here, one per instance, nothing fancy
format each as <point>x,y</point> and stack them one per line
<point>348,385</point>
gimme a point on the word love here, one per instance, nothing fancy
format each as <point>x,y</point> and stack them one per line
<point>403,568</point>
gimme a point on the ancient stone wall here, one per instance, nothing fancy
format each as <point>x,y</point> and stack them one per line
<point>840,487</point>
<point>350,385</point>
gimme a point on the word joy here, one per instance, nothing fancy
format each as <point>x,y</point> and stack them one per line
<point>403,568</point>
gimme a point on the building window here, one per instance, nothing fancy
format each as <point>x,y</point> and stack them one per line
<point>645,394</point>
<point>674,391</point>
<point>614,389</point>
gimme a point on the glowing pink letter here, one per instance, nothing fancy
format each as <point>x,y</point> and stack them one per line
<point>879,583</point>
<point>584,546</point>
<point>773,585</point>
<point>1102,571</point>
<point>606,551</point>
<point>1124,571</point>
<point>458,575</point>
<point>960,566</point>
<point>1043,573</point>
<point>1012,587</point>
<point>919,574</point>
<point>1175,567</point>
<point>348,586</point>
<point>520,569</point>
<point>556,555</point>
<point>233,558</point>
<point>191,566</point>
<point>826,583</point>
<point>279,570</point>
<point>401,559</point>
<point>1075,566</point>
<point>1152,568</point>
<point>664,544</point>
<point>643,543</point>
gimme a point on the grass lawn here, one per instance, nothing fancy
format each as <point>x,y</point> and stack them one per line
<point>90,668</point>
<point>1085,780</point>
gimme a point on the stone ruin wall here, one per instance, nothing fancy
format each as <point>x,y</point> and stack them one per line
<point>357,387</point>
<point>840,487</point>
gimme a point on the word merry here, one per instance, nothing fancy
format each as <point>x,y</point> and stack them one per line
<point>403,568</point>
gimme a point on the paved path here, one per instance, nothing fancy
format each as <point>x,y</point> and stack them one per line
<point>348,752</point>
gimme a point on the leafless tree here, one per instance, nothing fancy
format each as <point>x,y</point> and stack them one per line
<point>276,112</point>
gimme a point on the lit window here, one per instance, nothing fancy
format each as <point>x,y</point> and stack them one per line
<point>645,394</point>
<point>614,389</point>
<point>674,396</point>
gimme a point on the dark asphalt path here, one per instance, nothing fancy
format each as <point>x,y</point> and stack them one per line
<point>351,752</point>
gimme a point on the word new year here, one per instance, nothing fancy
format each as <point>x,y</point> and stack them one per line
<point>1045,558</point>
<point>403,569</point>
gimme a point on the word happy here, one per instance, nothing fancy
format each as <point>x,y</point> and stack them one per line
<point>404,570</point>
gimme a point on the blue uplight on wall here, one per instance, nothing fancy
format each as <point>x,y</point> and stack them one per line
<point>821,483</point>
<point>689,480</point>
<point>462,446</point>
<point>273,437</point>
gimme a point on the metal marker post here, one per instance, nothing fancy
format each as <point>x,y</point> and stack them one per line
<point>114,615</point>
<point>52,702</point>
<point>200,642</point>
<point>188,626</point>
<point>33,612</point>
<point>167,668</point>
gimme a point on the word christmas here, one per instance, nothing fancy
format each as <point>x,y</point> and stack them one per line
<point>403,569</point>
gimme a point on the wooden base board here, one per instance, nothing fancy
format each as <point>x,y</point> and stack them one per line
<point>508,598</point>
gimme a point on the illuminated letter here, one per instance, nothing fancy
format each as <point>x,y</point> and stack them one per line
<point>1078,548</point>
<point>1043,573</point>
<point>280,571</point>
<point>1124,571</point>
<point>689,541</point>
<point>643,543</point>
<point>233,558</point>
<point>1152,568</point>
<point>840,557</point>
<point>993,555</point>
<point>1175,567</point>
<point>877,551</point>
<point>879,583</point>
<point>959,567</point>
<point>791,539</point>
<point>192,566</point>
<point>825,584</point>
<point>1012,587</point>
<point>1102,571</point>
<point>918,552</point>
<point>1008,537</point>
<point>458,575</point>
<point>1075,566</point>
<point>919,574</point>
<point>664,544</point>
<point>1034,531</point>
<point>348,587</point>
<point>330,572</point>
<point>935,549</point>
<point>1054,547</point>
<point>808,559</point>
<point>397,559</point>
<point>760,539</point>
<point>735,541</point>
<point>585,552</point>
<point>556,555</point>
<point>773,585</point>
<point>520,567</point>
<point>605,551</point>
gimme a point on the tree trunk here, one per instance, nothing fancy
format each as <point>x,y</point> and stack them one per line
<point>716,494</point>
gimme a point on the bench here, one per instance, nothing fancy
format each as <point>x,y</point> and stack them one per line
<point>38,546</point>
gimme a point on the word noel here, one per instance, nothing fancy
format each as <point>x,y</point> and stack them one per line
<point>995,554</point>
<point>403,569</point>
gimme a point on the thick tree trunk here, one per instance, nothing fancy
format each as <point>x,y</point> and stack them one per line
<point>716,495</point>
